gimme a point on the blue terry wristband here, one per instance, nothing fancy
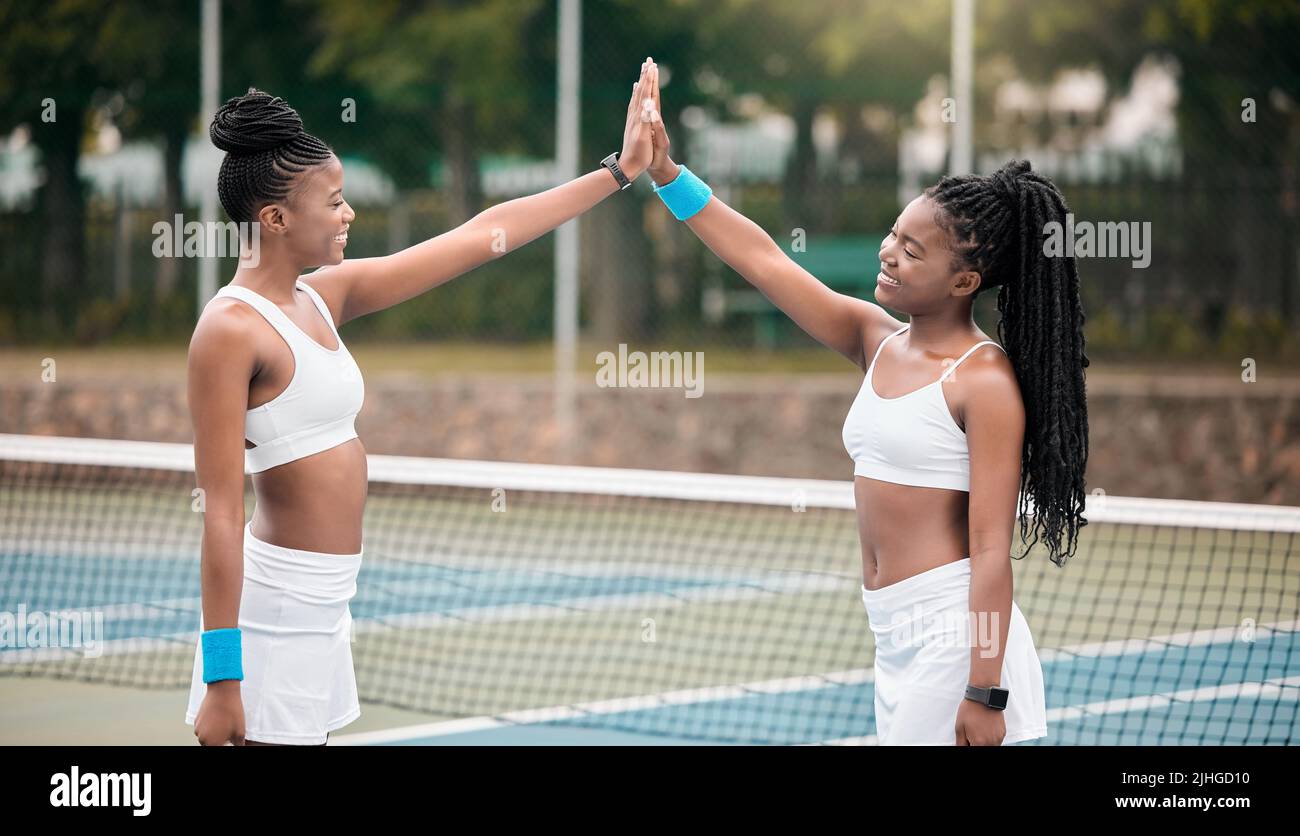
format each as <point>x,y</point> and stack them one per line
<point>685,195</point>
<point>223,657</point>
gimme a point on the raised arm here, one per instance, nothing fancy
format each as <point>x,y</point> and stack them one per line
<point>840,322</point>
<point>836,320</point>
<point>222,361</point>
<point>361,286</point>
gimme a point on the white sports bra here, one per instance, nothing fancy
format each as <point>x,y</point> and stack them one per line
<point>911,439</point>
<point>316,411</point>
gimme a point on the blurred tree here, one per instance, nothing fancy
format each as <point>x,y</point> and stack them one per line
<point>270,45</point>
<point>816,56</point>
<point>1227,51</point>
<point>618,264</point>
<point>453,68</point>
<point>48,78</point>
<point>151,56</point>
<point>881,60</point>
<point>800,58</point>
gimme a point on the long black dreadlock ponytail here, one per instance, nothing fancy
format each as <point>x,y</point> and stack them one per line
<point>266,148</point>
<point>997,225</point>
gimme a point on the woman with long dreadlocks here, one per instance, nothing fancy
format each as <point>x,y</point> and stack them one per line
<point>272,387</point>
<point>940,456</point>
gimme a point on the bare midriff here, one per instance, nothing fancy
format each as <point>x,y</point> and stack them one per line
<point>314,503</point>
<point>907,530</point>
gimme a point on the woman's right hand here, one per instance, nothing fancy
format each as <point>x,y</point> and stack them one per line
<point>662,169</point>
<point>221,716</point>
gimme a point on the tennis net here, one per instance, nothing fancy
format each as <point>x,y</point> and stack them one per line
<point>650,605</point>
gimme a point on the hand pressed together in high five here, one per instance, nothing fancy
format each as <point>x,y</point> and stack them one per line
<point>662,169</point>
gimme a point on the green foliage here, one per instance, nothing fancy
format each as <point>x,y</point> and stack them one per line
<point>456,81</point>
<point>1178,334</point>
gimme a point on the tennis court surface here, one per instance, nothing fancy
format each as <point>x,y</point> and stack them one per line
<point>518,604</point>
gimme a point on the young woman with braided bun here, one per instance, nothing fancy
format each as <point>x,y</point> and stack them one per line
<point>947,432</point>
<point>273,388</point>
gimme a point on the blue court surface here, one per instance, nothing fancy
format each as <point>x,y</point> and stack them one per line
<point>1172,695</point>
<point>464,633</point>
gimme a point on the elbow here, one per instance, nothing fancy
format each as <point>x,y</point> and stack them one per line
<point>767,258</point>
<point>222,519</point>
<point>992,563</point>
<point>488,236</point>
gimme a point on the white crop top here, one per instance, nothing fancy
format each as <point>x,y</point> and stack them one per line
<point>316,411</point>
<point>911,439</point>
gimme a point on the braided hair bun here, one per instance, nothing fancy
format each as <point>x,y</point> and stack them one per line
<point>266,149</point>
<point>254,122</point>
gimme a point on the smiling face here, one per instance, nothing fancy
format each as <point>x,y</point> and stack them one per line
<point>916,264</point>
<point>313,221</point>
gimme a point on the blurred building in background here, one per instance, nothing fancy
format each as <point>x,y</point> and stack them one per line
<point>818,119</point>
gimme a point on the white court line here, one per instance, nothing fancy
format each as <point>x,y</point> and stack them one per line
<point>568,607</point>
<point>1281,689</point>
<point>848,677</point>
<point>1155,644</point>
<point>613,706</point>
<point>756,587</point>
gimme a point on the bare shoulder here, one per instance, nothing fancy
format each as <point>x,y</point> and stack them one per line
<point>331,284</point>
<point>334,282</point>
<point>226,330</point>
<point>986,380</point>
<point>991,361</point>
<point>877,324</point>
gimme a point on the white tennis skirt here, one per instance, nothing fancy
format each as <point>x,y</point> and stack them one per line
<point>923,635</point>
<point>296,627</point>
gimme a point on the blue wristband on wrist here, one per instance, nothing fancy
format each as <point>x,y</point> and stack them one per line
<point>223,656</point>
<point>685,195</point>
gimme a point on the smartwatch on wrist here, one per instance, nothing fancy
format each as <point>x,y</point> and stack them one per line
<point>992,696</point>
<point>611,162</point>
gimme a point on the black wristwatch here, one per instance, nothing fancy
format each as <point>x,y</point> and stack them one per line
<point>611,162</point>
<point>992,696</point>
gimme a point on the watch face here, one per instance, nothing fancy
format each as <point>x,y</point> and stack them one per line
<point>998,698</point>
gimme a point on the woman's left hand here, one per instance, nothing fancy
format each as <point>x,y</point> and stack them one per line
<point>979,725</point>
<point>637,149</point>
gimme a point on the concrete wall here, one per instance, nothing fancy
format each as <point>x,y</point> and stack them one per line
<point>1151,435</point>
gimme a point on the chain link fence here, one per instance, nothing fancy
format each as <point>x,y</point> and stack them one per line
<point>819,120</point>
